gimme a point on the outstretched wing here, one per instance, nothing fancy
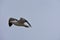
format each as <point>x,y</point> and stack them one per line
<point>22,20</point>
<point>11,19</point>
<point>28,22</point>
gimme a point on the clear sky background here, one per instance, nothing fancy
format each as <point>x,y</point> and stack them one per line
<point>43,15</point>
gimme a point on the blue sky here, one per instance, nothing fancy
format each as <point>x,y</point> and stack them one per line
<point>43,15</point>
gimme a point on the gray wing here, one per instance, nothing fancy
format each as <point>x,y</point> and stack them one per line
<point>11,19</point>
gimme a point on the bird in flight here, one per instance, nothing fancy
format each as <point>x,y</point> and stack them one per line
<point>19,22</point>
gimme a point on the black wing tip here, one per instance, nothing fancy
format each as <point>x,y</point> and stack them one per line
<point>28,23</point>
<point>27,26</point>
<point>10,24</point>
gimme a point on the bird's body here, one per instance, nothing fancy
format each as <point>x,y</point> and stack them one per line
<point>19,22</point>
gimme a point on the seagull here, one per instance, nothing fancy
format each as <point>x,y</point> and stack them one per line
<point>20,22</point>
